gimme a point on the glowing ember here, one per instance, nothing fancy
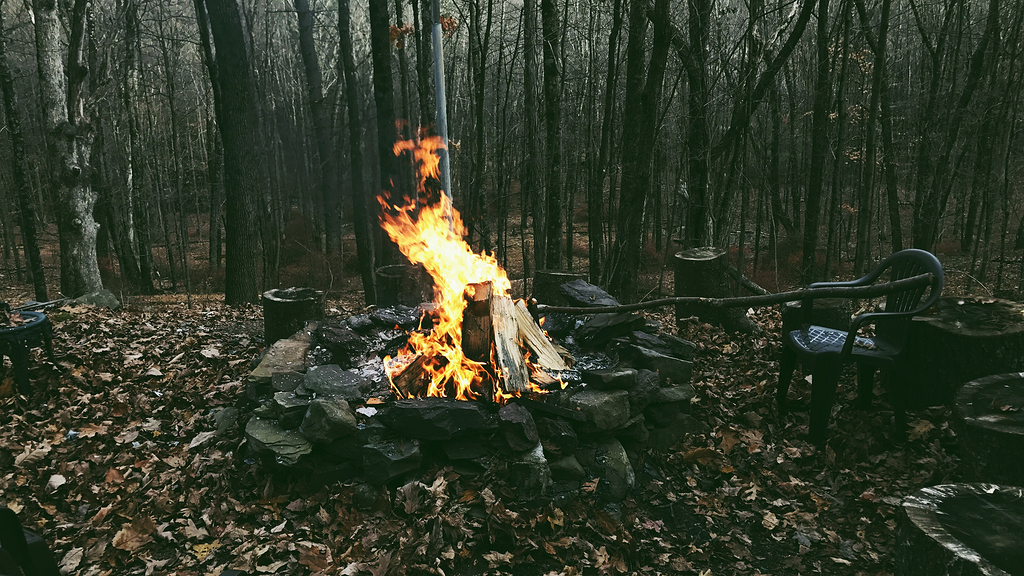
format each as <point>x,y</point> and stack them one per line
<point>425,236</point>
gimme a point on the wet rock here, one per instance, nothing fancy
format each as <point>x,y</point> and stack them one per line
<point>365,496</point>
<point>666,344</point>
<point>346,347</point>
<point>602,328</point>
<point>530,474</point>
<point>225,419</point>
<point>385,461</point>
<point>668,368</point>
<point>330,381</point>
<point>610,378</point>
<point>557,436</point>
<point>566,468</point>
<point>466,448</point>
<point>582,293</point>
<point>664,437</point>
<point>605,409</point>
<point>289,409</point>
<point>558,325</point>
<point>360,323</point>
<point>328,419</point>
<point>643,392</point>
<point>668,403</point>
<point>351,447</point>
<point>288,355</point>
<point>634,431</point>
<point>267,438</point>
<point>612,466</point>
<point>517,425</point>
<point>406,317</point>
<point>286,381</point>
<point>436,418</point>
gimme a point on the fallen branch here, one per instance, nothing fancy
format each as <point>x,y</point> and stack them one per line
<point>872,291</point>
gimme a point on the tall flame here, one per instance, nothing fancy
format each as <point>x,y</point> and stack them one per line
<point>425,235</point>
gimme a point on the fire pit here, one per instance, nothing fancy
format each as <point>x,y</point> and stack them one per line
<point>470,380</point>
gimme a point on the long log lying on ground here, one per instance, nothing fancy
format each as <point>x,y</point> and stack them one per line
<point>545,354</point>
<point>872,291</point>
<point>507,353</point>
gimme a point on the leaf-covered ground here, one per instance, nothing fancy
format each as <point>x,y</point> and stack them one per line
<point>116,459</point>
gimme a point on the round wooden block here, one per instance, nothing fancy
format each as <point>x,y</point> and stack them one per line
<point>406,284</point>
<point>958,340</point>
<point>286,310</point>
<point>961,530</point>
<point>990,428</point>
<point>702,272</point>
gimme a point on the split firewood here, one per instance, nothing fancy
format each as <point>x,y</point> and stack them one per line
<point>476,322</point>
<point>545,354</point>
<point>507,353</point>
<point>413,381</point>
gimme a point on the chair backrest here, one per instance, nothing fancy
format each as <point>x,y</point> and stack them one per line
<point>906,264</point>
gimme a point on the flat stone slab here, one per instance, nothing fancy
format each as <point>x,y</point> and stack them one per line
<point>387,460</point>
<point>268,438</point>
<point>330,381</point>
<point>436,418</point>
<point>328,419</point>
<point>602,328</point>
<point>583,293</point>
<point>347,348</point>
<point>605,409</point>
<point>610,378</point>
<point>288,355</point>
<point>289,409</point>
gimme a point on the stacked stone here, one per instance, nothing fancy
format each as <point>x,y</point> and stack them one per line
<point>594,431</point>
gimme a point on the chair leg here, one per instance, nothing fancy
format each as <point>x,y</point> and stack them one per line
<point>823,394</point>
<point>865,384</point>
<point>19,360</point>
<point>786,366</point>
<point>898,391</point>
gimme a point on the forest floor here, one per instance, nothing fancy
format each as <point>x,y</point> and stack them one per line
<point>116,460</point>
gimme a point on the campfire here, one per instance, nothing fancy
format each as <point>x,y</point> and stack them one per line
<point>479,344</point>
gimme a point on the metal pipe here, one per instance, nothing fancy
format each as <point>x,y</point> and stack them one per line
<point>442,111</point>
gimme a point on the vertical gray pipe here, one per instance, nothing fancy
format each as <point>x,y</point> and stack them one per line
<point>442,110</point>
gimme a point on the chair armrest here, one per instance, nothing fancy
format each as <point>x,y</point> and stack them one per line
<point>870,318</point>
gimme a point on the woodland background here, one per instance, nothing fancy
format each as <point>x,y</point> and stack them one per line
<point>238,146</point>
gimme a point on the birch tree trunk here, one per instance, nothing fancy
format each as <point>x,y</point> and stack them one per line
<point>69,143</point>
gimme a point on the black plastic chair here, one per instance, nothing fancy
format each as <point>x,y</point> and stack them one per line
<point>826,350</point>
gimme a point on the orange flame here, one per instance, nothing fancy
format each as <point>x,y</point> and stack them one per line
<point>432,235</point>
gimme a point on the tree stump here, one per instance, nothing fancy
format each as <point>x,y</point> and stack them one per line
<point>286,310</point>
<point>702,272</point>
<point>962,530</point>
<point>406,284</point>
<point>546,283</point>
<point>961,339</point>
<point>989,425</point>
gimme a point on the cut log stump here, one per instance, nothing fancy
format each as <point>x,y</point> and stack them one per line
<point>961,530</point>
<point>703,272</point>
<point>286,310</point>
<point>405,284</point>
<point>989,425</point>
<point>958,340</point>
<point>547,282</point>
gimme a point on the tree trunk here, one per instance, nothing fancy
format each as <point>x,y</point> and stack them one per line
<point>69,143</point>
<point>245,176</point>
<point>384,99</point>
<point>322,126</point>
<point>640,122</point>
<point>532,186</point>
<point>819,147</point>
<point>698,142</point>
<point>595,189</point>
<point>26,207</point>
<point>361,214</point>
<point>553,124</point>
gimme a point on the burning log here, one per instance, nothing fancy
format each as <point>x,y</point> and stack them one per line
<point>545,354</point>
<point>476,322</point>
<point>413,380</point>
<point>507,353</point>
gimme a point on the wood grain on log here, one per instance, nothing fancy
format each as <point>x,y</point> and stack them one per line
<point>476,322</point>
<point>413,381</point>
<point>507,354</point>
<point>545,354</point>
<point>962,529</point>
